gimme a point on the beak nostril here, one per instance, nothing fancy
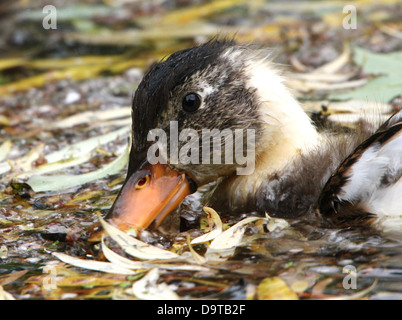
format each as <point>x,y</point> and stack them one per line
<point>142,182</point>
<point>164,186</point>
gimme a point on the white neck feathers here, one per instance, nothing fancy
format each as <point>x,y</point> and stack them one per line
<point>287,129</point>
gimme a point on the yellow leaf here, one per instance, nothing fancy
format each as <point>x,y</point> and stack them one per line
<point>87,281</point>
<point>215,225</point>
<point>188,14</point>
<point>74,73</point>
<point>5,149</point>
<point>10,63</point>
<point>70,62</point>
<point>4,120</point>
<point>300,285</point>
<point>275,289</point>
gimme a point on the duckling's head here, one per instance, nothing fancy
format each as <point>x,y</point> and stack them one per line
<point>215,110</point>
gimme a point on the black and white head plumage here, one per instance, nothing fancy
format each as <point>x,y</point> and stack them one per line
<point>210,71</point>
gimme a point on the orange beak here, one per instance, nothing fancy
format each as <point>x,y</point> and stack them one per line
<point>148,196</point>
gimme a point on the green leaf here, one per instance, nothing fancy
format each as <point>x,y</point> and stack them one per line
<point>82,148</point>
<point>388,83</point>
<point>61,182</point>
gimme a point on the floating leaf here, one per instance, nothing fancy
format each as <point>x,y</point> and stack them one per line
<point>4,167</point>
<point>3,252</point>
<point>182,266</point>
<point>307,86</point>
<point>11,277</point>
<point>388,84</point>
<point>82,148</point>
<point>320,77</point>
<point>86,281</point>
<point>122,261</point>
<point>275,289</point>
<point>356,295</point>
<point>224,245</point>
<point>93,265</point>
<point>276,224</point>
<point>391,31</point>
<point>215,224</point>
<point>23,163</point>
<point>11,63</point>
<point>147,288</point>
<point>90,116</point>
<point>345,118</point>
<point>72,155</point>
<point>130,264</point>
<point>74,61</point>
<point>232,236</point>
<point>77,68</point>
<point>300,286</point>
<point>80,11</point>
<point>5,149</point>
<point>54,166</point>
<point>61,182</point>
<point>199,259</point>
<point>157,34</point>
<point>336,64</point>
<point>135,247</point>
<point>76,73</point>
<point>350,106</point>
<point>192,13</point>
<point>4,295</point>
<point>325,77</point>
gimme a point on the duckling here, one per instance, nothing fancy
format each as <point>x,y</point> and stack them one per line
<point>296,172</point>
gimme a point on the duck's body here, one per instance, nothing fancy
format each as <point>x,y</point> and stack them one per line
<point>296,171</point>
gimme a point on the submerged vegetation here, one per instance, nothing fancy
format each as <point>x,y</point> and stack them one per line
<point>65,97</point>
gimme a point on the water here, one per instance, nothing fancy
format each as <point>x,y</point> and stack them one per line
<point>313,261</point>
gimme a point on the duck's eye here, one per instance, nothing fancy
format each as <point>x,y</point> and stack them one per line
<point>191,102</point>
<point>143,182</point>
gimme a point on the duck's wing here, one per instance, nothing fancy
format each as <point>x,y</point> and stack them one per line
<point>367,186</point>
